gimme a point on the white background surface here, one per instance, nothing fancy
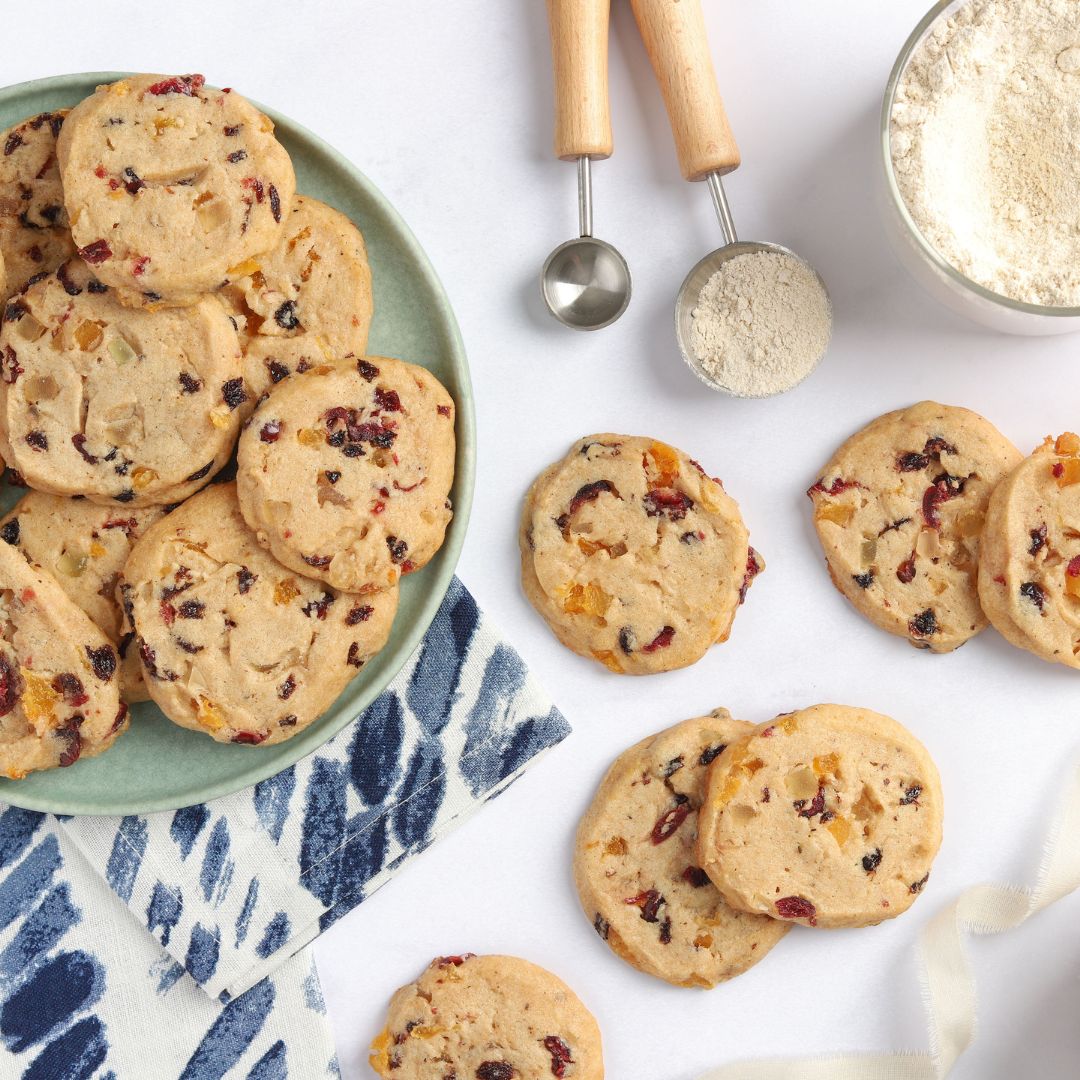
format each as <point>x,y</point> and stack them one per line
<point>446,106</point>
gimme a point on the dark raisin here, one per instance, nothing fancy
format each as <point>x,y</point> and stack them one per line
<point>1038,540</point>
<point>102,661</point>
<point>198,474</point>
<point>233,393</point>
<point>495,1070</point>
<point>245,579</point>
<point>332,475</point>
<point>12,369</point>
<point>285,690</point>
<point>351,450</point>
<point>270,431</point>
<point>70,733</point>
<point>711,753</point>
<point>11,685</point>
<point>911,795</point>
<point>189,647</point>
<point>189,383</point>
<point>69,686</point>
<point>133,183</point>
<point>872,860</point>
<point>9,531</point>
<point>14,311</point>
<point>661,641</point>
<point>232,130</point>
<point>816,806</point>
<point>70,287</point>
<point>627,640</point>
<point>796,907</point>
<point>918,886</point>
<point>665,931</point>
<point>668,824</point>
<point>354,659</point>
<point>124,496</point>
<point>318,560</point>
<point>368,370</point>
<point>14,141</point>
<point>286,316</point>
<point>672,767</point>
<point>864,581</point>
<point>924,624</point>
<point>912,462</point>
<point>936,446</point>
<point>601,926</point>
<point>360,613</point>
<point>191,609</point>
<point>694,875</point>
<point>1030,590</point>
<point>275,203</point>
<point>38,440</point>
<point>336,438</point>
<point>95,286</point>
<point>288,721</point>
<point>97,252</point>
<point>398,549</point>
<point>235,156</point>
<point>79,442</point>
<point>319,607</point>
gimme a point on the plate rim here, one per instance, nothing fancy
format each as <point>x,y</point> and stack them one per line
<point>317,734</point>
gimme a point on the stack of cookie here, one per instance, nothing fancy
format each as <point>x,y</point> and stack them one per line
<point>168,295</point>
<point>935,526</point>
<point>704,843</point>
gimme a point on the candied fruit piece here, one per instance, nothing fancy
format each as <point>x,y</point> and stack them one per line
<point>1069,443</point>
<point>285,591</point>
<point>1067,472</point>
<point>209,715</point>
<point>1072,578</point>
<point>838,513</point>
<point>840,828</point>
<point>38,697</point>
<point>220,416</point>
<point>617,845</point>
<point>665,465</point>
<point>142,478</point>
<point>88,335</point>
<point>587,599</point>
<point>310,436</point>
<point>97,550</point>
<point>801,782</point>
<point>72,565</point>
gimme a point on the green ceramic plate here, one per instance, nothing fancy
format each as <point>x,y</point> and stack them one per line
<point>157,765</point>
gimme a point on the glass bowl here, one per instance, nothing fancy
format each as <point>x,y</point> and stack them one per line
<point>922,260</point>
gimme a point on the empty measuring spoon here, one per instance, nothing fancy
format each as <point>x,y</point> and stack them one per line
<point>678,48</point>
<point>586,282</point>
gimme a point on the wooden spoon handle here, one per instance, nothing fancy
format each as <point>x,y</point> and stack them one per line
<point>675,39</point>
<point>579,53</point>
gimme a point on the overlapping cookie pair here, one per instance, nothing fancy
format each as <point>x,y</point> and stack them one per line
<point>705,842</point>
<point>633,555</point>
<point>167,296</point>
<point>934,525</point>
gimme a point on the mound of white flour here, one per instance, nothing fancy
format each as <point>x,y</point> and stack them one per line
<point>986,145</point>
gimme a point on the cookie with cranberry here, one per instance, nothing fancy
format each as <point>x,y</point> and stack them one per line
<point>307,301</point>
<point>84,547</point>
<point>125,406</point>
<point>344,471</point>
<point>170,183</point>
<point>233,644</point>
<point>1029,567</point>
<point>633,556</point>
<point>489,1017</point>
<point>899,510</point>
<point>635,862</point>
<point>59,698</point>
<point>829,816</point>
<point>34,233</point>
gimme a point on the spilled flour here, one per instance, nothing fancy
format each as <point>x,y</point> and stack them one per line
<point>985,140</point>
<point>761,324</point>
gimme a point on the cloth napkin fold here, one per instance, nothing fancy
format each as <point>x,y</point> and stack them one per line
<point>224,896</point>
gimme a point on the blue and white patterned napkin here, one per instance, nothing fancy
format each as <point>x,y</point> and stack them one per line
<point>110,926</point>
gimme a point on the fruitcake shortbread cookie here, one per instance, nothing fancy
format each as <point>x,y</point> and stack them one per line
<point>830,816</point>
<point>233,644</point>
<point>1029,564</point>
<point>345,471</point>
<point>634,556</point>
<point>34,234</point>
<point>58,684</point>
<point>899,509</point>
<point>84,547</point>
<point>307,301</point>
<point>121,405</point>
<point>170,183</point>
<point>488,1017</point>
<point>636,865</point>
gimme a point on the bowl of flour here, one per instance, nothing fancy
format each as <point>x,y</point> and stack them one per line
<point>981,147</point>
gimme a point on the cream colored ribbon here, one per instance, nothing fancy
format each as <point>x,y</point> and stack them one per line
<point>948,981</point>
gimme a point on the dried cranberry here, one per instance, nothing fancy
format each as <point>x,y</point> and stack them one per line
<point>245,579</point>
<point>79,442</point>
<point>936,446</point>
<point>354,659</point>
<point>73,748</point>
<point>275,203</point>
<point>924,624</point>
<point>97,252</point>
<point>912,462</point>
<point>667,502</point>
<point>177,84</point>
<point>1038,540</point>
<point>286,316</point>
<point>711,753</point>
<point>288,721</point>
<point>12,368</point>
<point>668,824</point>
<point>69,686</point>
<point>944,488</point>
<point>560,1055</point>
<point>121,716</point>
<point>9,531</point>
<point>189,383</point>
<point>286,689</point>
<point>233,393</point>
<point>11,685</point>
<point>250,738</point>
<point>872,860</point>
<point>367,370</point>
<point>649,902</point>
<point>587,493</point>
<point>398,549</point>
<point>837,487</point>
<point>753,568</point>
<point>70,287</point>
<point>796,907</point>
<point>360,613</point>
<point>661,641</point>
<point>864,581</point>
<point>270,431</point>
<point>694,875</point>
<point>387,400</point>
<point>102,661</point>
<point>911,795</point>
<point>817,804</point>
<point>1073,568</point>
<point>167,612</point>
<point>318,561</point>
<point>38,440</point>
<point>14,141</point>
<point>495,1070</point>
<point>905,572</point>
<point>1034,592</point>
<point>443,410</point>
<point>319,607</point>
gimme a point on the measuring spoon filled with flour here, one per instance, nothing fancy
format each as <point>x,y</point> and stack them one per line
<point>751,319</point>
